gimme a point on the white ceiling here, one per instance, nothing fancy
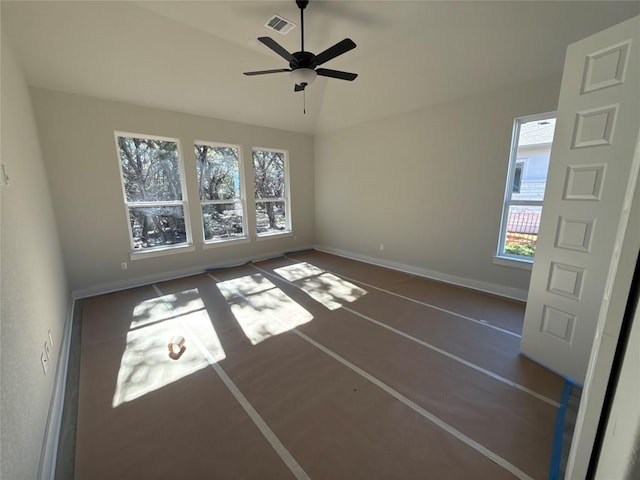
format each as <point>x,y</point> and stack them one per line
<point>188,56</point>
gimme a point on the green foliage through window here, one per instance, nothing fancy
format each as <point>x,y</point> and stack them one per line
<point>517,249</point>
<point>153,191</point>
<point>269,182</point>
<point>150,169</point>
<point>218,170</point>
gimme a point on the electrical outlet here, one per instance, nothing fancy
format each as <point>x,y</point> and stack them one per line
<point>45,356</point>
<point>124,265</point>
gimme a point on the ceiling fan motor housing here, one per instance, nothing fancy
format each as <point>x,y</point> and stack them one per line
<point>303,60</point>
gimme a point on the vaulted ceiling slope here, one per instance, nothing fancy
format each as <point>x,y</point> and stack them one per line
<point>189,56</point>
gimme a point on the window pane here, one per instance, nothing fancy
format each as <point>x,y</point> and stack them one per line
<point>150,169</point>
<point>218,172</point>
<point>268,174</point>
<point>222,221</point>
<point>517,177</point>
<point>271,217</point>
<point>522,230</point>
<point>534,151</point>
<point>157,226</point>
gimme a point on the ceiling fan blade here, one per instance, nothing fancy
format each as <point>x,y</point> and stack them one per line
<point>327,72</point>
<point>299,87</point>
<point>332,52</point>
<point>276,47</point>
<point>263,72</point>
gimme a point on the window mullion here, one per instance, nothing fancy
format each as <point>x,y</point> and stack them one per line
<point>156,204</point>
<point>271,199</point>
<point>524,203</point>
<point>220,202</point>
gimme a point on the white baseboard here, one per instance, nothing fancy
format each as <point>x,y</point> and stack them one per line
<point>48,457</point>
<point>487,287</point>
<point>172,275</point>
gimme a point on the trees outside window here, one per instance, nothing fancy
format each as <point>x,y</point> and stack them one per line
<point>152,186</point>
<point>221,191</point>
<point>270,181</point>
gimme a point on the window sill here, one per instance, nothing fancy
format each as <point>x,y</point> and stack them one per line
<point>223,243</point>
<point>160,252</point>
<point>272,235</point>
<point>513,262</point>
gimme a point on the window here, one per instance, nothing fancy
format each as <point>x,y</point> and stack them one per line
<point>517,178</point>
<point>524,193</point>
<point>270,181</point>
<point>220,189</point>
<point>152,186</point>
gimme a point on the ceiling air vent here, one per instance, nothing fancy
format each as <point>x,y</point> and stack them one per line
<point>280,24</point>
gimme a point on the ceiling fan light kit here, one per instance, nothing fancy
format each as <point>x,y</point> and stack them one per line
<point>302,64</point>
<point>303,76</point>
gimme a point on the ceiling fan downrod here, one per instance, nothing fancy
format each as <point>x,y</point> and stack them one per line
<point>302,4</point>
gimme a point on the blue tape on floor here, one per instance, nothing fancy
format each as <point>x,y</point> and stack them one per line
<point>556,454</point>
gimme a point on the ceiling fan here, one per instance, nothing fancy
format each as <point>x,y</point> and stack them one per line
<point>302,65</point>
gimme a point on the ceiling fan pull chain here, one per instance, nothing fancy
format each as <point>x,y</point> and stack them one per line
<point>304,102</point>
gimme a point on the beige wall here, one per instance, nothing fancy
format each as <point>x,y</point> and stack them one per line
<point>34,292</point>
<point>77,135</point>
<point>429,185</point>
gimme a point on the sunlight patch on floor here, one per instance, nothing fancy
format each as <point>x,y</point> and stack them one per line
<point>145,365</point>
<point>262,309</point>
<point>324,287</point>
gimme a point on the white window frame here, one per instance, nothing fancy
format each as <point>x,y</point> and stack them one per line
<point>286,199</point>
<point>242,199</point>
<point>136,254</point>
<point>502,257</point>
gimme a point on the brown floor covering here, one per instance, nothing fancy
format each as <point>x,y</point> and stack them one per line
<point>142,415</point>
<point>485,347</point>
<point>497,311</point>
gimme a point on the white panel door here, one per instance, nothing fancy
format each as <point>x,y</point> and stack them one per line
<point>592,175</point>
